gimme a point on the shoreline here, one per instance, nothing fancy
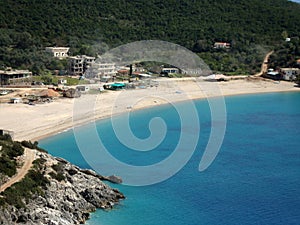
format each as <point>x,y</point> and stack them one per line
<point>42,121</point>
<point>68,128</point>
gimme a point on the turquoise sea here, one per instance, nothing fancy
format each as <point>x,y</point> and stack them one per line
<point>255,178</point>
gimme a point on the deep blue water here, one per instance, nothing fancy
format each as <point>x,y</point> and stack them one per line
<point>255,178</point>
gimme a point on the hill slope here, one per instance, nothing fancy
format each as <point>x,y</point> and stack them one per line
<point>191,23</point>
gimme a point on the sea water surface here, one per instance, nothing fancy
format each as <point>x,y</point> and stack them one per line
<point>255,178</point>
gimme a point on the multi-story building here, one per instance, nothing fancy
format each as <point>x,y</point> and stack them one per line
<point>58,52</point>
<point>290,73</point>
<point>79,64</point>
<point>102,70</point>
<point>11,76</point>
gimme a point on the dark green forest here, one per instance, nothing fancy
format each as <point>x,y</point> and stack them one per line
<point>252,27</point>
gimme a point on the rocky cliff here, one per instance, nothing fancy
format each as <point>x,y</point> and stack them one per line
<point>68,196</point>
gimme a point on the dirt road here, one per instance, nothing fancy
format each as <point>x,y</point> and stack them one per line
<point>29,156</point>
<point>264,65</point>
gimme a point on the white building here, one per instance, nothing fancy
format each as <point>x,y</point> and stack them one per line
<point>290,73</point>
<point>101,70</point>
<point>221,45</point>
<point>58,52</point>
<point>15,100</point>
<point>169,70</point>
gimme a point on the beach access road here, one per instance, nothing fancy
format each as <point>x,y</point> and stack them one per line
<point>29,156</point>
<point>264,65</point>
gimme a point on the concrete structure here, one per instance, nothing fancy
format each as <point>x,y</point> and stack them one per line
<point>10,76</point>
<point>274,75</point>
<point>222,45</point>
<point>101,70</point>
<point>58,52</point>
<point>83,88</point>
<point>169,70</point>
<point>290,74</point>
<point>77,65</point>
<point>15,100</point>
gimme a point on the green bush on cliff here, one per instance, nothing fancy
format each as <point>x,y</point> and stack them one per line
<point>8,166</point>
<point>10,150</point>
<point>33,183</point>
<point>34,145</point>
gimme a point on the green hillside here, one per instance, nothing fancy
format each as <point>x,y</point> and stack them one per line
<point>252,27</point>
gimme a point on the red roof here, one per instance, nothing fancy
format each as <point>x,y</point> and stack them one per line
<point>123,71</point>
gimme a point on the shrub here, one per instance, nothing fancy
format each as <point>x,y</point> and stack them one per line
<point>29,144</point>
<point>8,166</point>
<point>5,137</point>
<point>34,145</point>
<point>57,176</point>
<point>33,183</point>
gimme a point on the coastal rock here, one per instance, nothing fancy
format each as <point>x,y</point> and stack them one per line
<point>70,196</point>
<point>114,179</point>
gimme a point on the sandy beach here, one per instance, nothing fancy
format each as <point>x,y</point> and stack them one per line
<point>39,121</point>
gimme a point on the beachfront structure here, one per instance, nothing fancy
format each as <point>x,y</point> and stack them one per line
<point>290,74</point>
<point>15,100</point>
<point>83,88</point>
<point>58,52</point>
<point>102,70</point>
<point>169,70</point>
<point>11,76</point>
<point>274,75</point>
<point>77,65</point>
<point>222,45</point>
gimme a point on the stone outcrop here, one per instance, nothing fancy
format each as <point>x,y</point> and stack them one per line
<point>65,201</point>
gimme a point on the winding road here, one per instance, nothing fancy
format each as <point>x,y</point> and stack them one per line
<point>29,156</point>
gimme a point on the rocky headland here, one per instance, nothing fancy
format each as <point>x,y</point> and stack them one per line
<point>61,194</point>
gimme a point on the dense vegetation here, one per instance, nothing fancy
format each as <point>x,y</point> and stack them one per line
<point>93,26</point>
<point>286,54</point>
<point>32,183</point>
<point>9,151</point>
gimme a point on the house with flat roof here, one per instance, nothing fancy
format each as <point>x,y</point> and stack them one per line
<point>290,74</point>
<point>169,70</point>
<point>102,70</point>
<point>12,76</point>
<point>58,52</point>
<point>221,45</point>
